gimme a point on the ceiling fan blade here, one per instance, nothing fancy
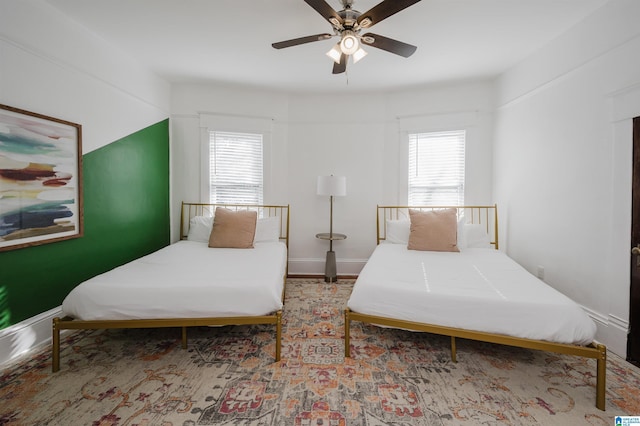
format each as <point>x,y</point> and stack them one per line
<point>327,12</point>
<point>382,11</point>
<point>301,40</point>
<point>342,66</point>
<point>388,44</point>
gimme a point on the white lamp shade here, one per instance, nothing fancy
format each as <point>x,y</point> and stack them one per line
<point>332,185</point>
<point>360,53</point>
<point>349,43</point>
<point>335,53</point>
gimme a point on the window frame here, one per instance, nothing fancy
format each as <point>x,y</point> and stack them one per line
<point>458,133</point>
<point>233,124</point>
<point>234,191</point>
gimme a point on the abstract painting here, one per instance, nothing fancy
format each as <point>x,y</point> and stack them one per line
<point>40,179</point>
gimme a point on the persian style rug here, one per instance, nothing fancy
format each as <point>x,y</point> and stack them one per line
<point>228,376</point>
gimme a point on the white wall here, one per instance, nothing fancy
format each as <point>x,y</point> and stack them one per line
<point>562,166</point>
<point>356,135</point>
<point>52,66</point>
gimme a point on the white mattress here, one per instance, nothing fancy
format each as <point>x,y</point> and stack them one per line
<point>476,289</point>
<point>186,280</point>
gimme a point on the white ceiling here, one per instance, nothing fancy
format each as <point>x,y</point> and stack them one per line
<point>229,41</point>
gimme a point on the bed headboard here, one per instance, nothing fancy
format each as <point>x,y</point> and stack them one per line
<point>190,210</point>
<point>487,216</point>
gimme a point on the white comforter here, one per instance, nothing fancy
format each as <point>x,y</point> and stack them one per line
<point>186,280</point>
<point>476,289</point>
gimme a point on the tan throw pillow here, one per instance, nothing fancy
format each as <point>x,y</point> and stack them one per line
<point>233,229</point>
<point>434,230</point>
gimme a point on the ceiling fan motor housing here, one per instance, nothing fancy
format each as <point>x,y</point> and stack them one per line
<point>349,17</point>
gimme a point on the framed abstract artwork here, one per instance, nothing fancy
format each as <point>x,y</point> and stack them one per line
<point>40,179</point>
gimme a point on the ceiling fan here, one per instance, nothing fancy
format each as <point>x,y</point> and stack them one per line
<point>347,24</point>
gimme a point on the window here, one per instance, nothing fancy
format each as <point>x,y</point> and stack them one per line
<point>235,168</point>
<point>436,168</point>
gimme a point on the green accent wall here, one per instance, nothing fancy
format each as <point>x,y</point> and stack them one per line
<point>126,215</point>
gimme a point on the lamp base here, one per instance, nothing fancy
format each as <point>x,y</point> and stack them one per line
<point>330,273</point>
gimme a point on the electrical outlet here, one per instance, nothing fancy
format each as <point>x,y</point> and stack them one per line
<point>541,272</point>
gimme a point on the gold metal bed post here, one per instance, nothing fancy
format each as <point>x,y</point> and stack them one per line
<point>595,350</point>
<point>189,210</point>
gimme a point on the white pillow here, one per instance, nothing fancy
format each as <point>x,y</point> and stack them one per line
<point>476,236</point>
<point>267,230</point>
<point>462,241</point>
<point>200,228</point>
<point>398,231</point>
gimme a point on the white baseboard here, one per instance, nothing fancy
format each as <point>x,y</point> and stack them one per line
<point>27,335</point>
<point>311,266</point>
<point>616,335</point>
<point>611,331</point>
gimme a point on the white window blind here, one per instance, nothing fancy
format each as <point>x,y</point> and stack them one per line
<point>235,168</point>
<point>436,168</point>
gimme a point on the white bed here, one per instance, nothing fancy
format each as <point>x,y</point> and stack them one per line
<point>189,283</point>
<point>204,280</point>
<point>477,293</point>
<point>477,289</point>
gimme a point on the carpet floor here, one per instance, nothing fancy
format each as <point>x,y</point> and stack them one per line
<point>227,376</point>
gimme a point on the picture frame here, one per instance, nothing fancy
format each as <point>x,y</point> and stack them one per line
<point>40,179</point>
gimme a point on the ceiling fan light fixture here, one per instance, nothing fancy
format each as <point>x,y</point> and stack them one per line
<point>349,43</point>
<point>367,39</point>
<point>335,53</point>
<point>336,24</point>
<point>366,22</point>
<point>359,54</point>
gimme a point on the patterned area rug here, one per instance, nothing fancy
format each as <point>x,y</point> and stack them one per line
<point>228,376</point>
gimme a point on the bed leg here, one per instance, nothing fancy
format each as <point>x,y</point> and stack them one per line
<point>601,379</point>
<point>453,349</point>
<point>278,334</point>
<point>347,337</point>
<point>55,345</point>
<point>184,337</point>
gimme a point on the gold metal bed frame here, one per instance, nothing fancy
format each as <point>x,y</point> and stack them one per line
<point>189,210</point>
<point>485,215</point>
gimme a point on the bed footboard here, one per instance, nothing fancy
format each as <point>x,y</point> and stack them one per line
<point>67,323</point>
<point>597,351</point>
